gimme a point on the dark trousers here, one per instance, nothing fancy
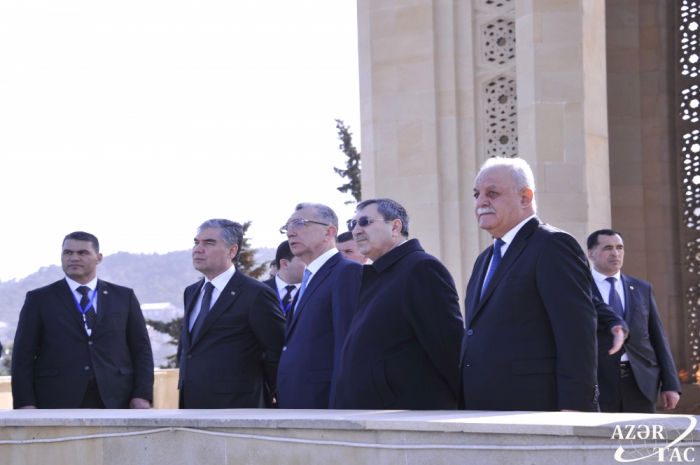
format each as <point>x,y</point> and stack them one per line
<point>628,397</point>
<point>92,397</point>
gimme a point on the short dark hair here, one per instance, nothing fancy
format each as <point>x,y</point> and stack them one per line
<point>231,232</point>
<point>84,236</point>
<point>345,237</point>
<point>283,252</point>
<point>390,210</point>
<point>592,240</point>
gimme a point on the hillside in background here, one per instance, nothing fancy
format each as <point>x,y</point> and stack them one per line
<point>155,278</point>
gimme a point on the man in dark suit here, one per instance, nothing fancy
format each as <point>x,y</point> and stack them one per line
<point>288,279</point>
<point>81,342</point>
<point>233,328</point>
<point>530,341</point>
<point>321,312</point>
<point>630,379</point>
<point>402,349</point>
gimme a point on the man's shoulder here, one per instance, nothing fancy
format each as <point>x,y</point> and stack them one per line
<point>114,287</point>
<point>49,288</point>
<point>640,283</point>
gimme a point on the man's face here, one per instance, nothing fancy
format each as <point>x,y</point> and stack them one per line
<point>498,207</point>
<point>310,240</point>
<point>210,255</point>
<point>378,237</point>
<point>350,251</point>
<point>608,255</point>
<point>79,260</point>
<point>294,271</point>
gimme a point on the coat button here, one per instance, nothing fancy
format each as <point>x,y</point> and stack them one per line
<point>87,368</point>
<point>284,348</point>
<point>470,332</point>
<point>89,343</point>
<point>189,356</point>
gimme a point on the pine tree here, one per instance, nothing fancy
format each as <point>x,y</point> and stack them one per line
<point>245,260</point>
<point>353,168</point>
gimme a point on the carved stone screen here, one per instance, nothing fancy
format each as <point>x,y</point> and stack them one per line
<point>688,152</point>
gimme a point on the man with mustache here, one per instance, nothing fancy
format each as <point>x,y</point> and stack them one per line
<point>530,340</point>
<point>402,349</point>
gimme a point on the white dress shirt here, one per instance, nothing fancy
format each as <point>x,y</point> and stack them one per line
<point>92,285</point>
<point>604,288</point>
<point>219,284</point>
<point>316,265</point>
<point>281,291</point>
<point>508,238</point>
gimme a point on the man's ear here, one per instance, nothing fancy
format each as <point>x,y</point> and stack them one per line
<point>396,227</point>
<point>526,197</point>
<point>99,258</point>
<point>233,251</point>
<point>331,233</point>
<point>590,254</point>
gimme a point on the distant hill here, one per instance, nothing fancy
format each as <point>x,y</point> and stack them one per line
<point>155,278</point>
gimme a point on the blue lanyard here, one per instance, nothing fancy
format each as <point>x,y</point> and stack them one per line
<point>80,309</point>
<point>289,305</point>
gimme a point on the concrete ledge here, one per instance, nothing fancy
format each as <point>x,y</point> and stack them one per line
<point>318,436</point>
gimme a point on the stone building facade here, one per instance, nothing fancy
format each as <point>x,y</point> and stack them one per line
<point>600,97</point>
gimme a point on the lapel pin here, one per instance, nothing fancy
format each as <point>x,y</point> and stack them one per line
<point>632,287</point>
<point>104,292</point>
<point>233,293</point>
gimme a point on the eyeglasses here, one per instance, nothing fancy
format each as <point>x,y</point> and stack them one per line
<point>363,221</point>
<point>296,224</point>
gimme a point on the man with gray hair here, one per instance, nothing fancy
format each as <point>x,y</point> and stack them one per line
<point>530,341</point>
<point>402,349</point>
<point>321,311</point>
<point>233,328</point>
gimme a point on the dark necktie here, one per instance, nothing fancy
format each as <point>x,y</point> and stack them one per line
<point>90,315</point>
<point>614,298</point>
<point>287,297</point>
<point>204,309</point>
<point>494,263</point>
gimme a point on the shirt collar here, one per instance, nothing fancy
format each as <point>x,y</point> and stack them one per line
<point>281,284</point>
<point>316,265</point>
<point>510,235</point>
<point>600,277</point>
<point>222,280</point>
<point>75,284</point>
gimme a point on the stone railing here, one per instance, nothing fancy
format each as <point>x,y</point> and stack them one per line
<point>165,395</point>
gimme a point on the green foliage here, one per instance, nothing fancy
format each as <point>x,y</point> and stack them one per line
<point>6,365</point>
<point>172,328</point>
<point>245,260</point>
<point>352,165</point>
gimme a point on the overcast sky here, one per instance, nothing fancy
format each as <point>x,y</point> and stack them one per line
<point>138,120</point>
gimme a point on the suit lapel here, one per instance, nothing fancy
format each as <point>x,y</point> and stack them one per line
<point>512,254</point>
<point>480,271</point>
<point>185,333</point>
<point>103,301</point>
<point>226,299</point>
<point>66,296</point>
<point>316,281</point>
<point>629,298</point>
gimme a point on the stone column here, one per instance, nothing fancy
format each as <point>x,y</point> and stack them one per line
<point>562,110</point>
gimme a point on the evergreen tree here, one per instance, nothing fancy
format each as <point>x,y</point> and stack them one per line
<point>173,329</point>
<point>353,168</point>
<point>245,260</point>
